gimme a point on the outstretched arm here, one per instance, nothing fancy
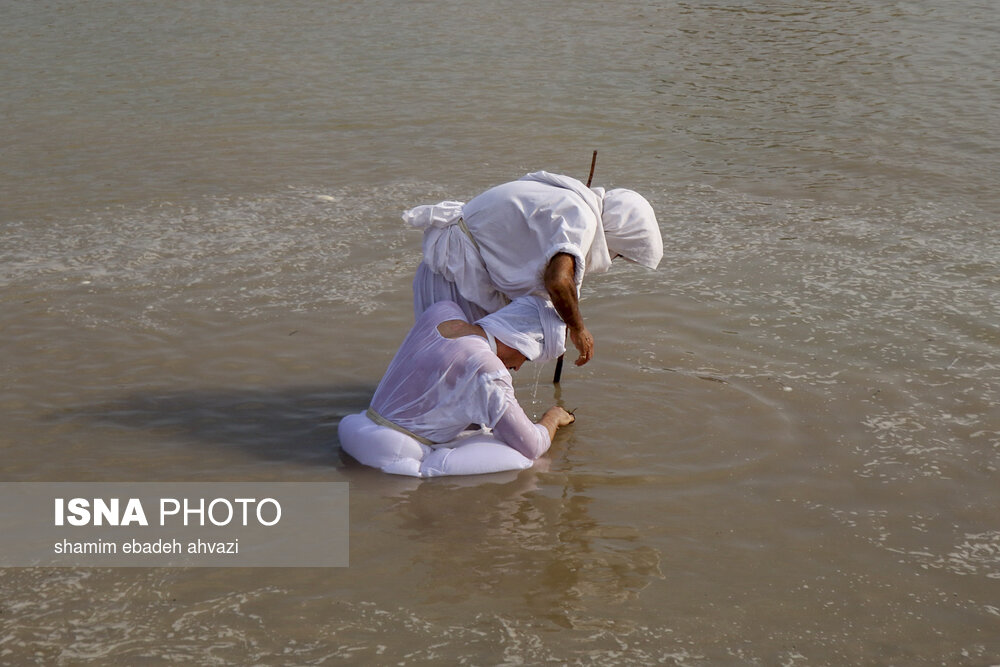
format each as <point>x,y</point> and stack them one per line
<point>515,429</point>
<point>561,286</point>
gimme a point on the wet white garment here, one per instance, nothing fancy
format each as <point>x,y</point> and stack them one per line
<point>397,454</point>
<point>435,387</point>
<point>496,246</point>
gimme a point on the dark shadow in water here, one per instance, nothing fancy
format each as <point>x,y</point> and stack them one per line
<point>281,424</point>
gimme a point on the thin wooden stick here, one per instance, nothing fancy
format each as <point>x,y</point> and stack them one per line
<point>593,163</point>
<point>559,363</point>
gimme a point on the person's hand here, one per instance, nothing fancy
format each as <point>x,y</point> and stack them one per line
<point>561,417</point>
<point>584,343</point>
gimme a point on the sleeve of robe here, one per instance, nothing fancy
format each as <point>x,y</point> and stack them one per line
<point>515,430</point>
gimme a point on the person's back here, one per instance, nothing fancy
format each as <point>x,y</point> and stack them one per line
<point>437,386</point>
<point>521,225</point>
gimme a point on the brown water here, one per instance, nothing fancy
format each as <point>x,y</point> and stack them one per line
<point>788,444</point>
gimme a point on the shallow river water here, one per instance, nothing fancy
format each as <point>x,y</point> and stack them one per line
<point>787,445</point>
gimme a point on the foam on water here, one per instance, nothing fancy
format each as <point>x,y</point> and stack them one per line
<point>787,348</point>
<point>905,298</point>
<point>293,250</point>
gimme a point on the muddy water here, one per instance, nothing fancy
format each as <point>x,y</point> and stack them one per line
<point>788,444</point>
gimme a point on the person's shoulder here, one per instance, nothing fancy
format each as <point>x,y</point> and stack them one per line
<point>492,371</point>
<point>485,359</point>
<point>444,310</point>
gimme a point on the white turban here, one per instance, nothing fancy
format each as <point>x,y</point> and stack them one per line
<point>530,325</point>
<point>630,228</point>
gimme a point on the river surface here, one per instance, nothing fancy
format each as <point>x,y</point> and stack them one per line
<point>787,445</point>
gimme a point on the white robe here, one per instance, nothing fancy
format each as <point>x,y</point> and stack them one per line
<point>435,387</point>
<point>515,229</point>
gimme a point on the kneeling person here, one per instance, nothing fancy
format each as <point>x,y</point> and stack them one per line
<point>450,373</point>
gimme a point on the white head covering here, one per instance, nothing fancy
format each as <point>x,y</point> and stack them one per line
<point>530,325</point>
<point>491,340</point>
<point>630,228</point>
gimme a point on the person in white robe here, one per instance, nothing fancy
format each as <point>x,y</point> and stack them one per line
<point>538,235</point>
<point>449,374</point>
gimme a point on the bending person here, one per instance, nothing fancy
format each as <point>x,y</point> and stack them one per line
<point>450,373</point>
<point>538,235</point>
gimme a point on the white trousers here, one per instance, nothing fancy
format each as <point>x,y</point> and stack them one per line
<point>398,454</point>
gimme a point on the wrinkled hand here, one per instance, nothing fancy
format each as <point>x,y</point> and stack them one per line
<point>562,418</point>
<point>584,343</point>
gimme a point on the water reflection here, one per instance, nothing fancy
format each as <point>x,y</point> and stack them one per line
<point>531,540</point>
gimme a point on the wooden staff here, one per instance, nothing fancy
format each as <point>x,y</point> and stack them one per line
<point>559,362</point>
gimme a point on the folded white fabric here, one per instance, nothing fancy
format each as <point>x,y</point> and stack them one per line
<point>531,325</point>
<point>440,215</point>
<point>451,253</point>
